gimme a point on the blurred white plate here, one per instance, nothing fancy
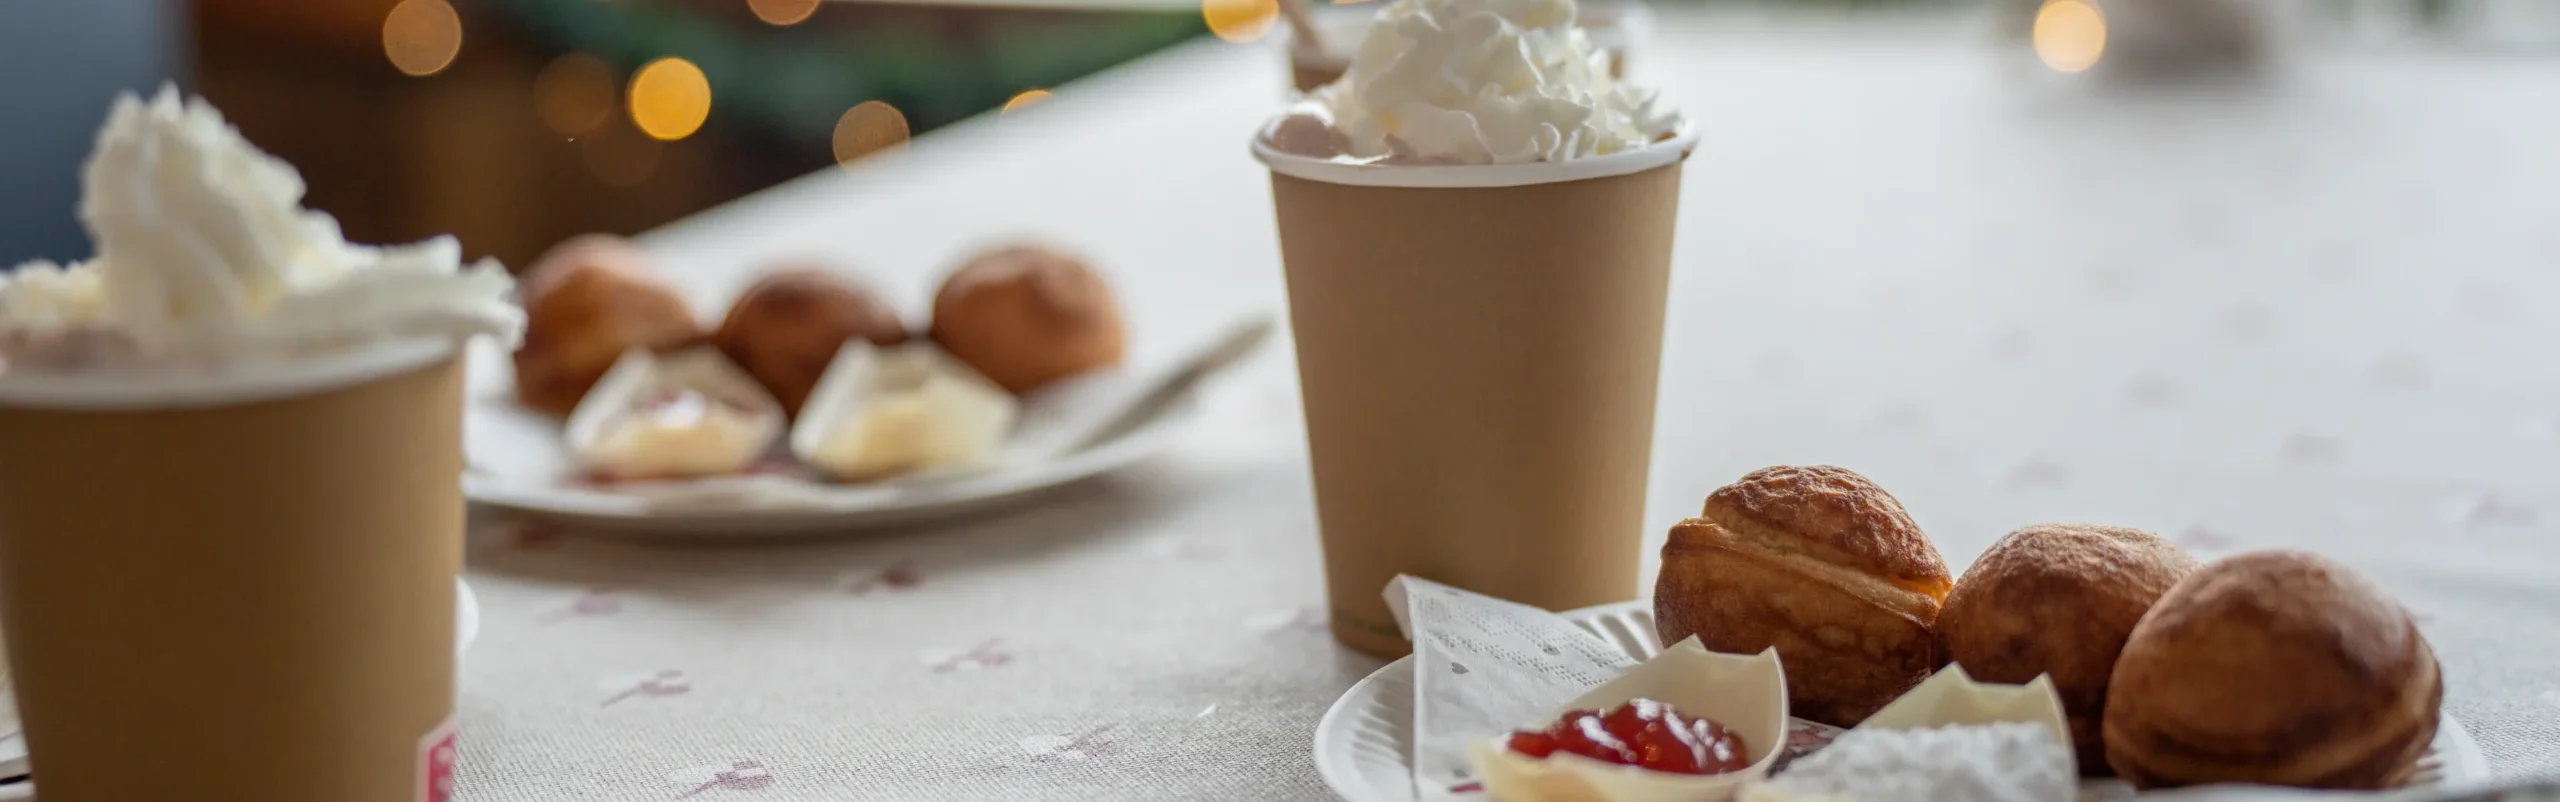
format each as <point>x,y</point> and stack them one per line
<point>466,617</point>
<point>13,743</point>
<point>1364,744</point>
<point>519,463</point>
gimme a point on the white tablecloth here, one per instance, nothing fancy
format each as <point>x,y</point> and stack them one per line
<point>2311,314</point>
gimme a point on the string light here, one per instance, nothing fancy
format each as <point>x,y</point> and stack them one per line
<point>783,12</point>
<point>2070,34</point>
<point>868,128</point>
<point>1028,98</point>
<point>1240,20</point>
<point>670,98</point>
<point>574,94</point>
<point>421,37</point>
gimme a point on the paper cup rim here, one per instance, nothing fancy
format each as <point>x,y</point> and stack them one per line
<point>165,387</point>
<point>1478,176</point>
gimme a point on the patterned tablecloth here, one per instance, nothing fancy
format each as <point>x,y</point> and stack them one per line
<point>2313,312</point>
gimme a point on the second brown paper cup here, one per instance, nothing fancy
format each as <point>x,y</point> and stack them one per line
<point>1478,365</point>
<point>248,598</point>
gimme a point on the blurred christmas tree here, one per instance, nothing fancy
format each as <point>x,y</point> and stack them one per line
<point>937,64</point>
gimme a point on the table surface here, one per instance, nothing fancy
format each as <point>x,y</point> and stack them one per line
<point>2310,312</point>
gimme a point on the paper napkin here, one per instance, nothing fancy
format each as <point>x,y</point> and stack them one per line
<point>1484,666</point>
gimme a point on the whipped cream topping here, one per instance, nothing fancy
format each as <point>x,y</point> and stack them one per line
<point>48,297</point>
<point>1474,82</point>
<point>206,254</point>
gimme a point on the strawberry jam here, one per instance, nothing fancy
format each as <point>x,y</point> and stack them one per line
<point>1642,733</point>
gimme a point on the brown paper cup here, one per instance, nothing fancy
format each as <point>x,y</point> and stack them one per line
<point>1478,348</point>
<point>236,588</point>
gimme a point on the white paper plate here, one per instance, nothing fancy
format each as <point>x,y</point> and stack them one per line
<point>1364,744</point>
<point>13,744</point>
<point>517,461</point>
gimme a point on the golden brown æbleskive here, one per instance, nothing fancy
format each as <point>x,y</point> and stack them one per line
<point>2277,668</point>
<point>1820,563</point>
<point>2059,600</point>
<point>586,301</point>
<point>1025,316</point>
<point>785,328</point>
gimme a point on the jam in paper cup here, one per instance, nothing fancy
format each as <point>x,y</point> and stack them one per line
<point>1953,698</point>
<point>1745,693</point>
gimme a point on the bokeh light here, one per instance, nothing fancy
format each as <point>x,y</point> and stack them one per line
<point>1240,20</point>
<point>421,37</point>
<point>2070,34</point>
<point>574,94</point>
<point>869,128</point>
<point>783,12</point>
<point>619,156</point>
<point>670,98</point>
<point>1028,98</point>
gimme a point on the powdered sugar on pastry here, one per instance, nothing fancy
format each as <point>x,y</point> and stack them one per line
<point>2006,762</point>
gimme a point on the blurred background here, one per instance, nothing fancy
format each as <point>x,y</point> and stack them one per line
<point>514,123</point>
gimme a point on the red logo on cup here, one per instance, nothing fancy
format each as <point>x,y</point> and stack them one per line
<point>435,764</point>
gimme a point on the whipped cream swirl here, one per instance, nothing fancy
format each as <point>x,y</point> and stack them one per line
<point>204,253</point>
<point>1474,82</point>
